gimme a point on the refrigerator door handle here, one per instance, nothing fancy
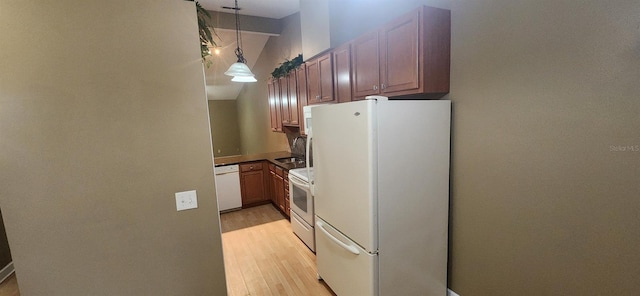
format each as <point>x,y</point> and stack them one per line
<point>309,141</point>
<point>351,249</point>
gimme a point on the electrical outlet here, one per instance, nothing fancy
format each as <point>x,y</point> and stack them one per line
<point>186,200</point>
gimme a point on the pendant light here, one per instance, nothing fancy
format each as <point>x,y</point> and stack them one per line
<point>243,79</point>
<point>239,70</point>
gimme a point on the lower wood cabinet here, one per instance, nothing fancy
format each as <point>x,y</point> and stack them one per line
<point>286,193</point>
<point>262,182</point>
<point>254,186</point>
<point>273,184</point>
<point>279,188</point>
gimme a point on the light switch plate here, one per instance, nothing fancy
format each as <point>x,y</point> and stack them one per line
<point>186,200</point>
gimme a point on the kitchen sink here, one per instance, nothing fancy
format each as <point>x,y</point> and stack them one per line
<point>291,160</point>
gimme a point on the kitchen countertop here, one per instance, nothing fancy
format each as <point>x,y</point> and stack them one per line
<point>270,156</point>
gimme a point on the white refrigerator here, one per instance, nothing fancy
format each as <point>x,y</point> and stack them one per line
<point>382,196</point>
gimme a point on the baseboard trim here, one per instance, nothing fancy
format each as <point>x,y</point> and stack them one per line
<point>451,293</point>
<point>6,271</point>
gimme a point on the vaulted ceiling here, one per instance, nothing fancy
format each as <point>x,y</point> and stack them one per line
<point>219,86</point>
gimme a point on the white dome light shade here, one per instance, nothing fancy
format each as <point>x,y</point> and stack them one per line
<point>243,79</point>
<point>239,69</point>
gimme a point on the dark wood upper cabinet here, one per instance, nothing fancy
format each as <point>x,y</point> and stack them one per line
<point>274,105</point>
<point>342,73</point>
<point>412,56</point>
<point>301,78</point>
<point>400,55</point>
<point>365,65</point>
<point>320,79</point>
<point>284,100</point>
<point>293,99</point>
<point>407,56</point>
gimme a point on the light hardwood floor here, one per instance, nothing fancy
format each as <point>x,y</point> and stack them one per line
<point>9,286</point>
<point>262,256</point>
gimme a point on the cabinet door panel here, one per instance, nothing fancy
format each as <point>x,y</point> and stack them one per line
<point>273,184</point>
<point>274,106</point>
<point>280,192</point>
<point>293,98</point>
<point>284,100</point>
<point>342,73</point>
<point>252,187</point>
<point>286,194</point>
<point>325,66</point>
<point>320,80</point>
<point>313,82</point>
<point>365,65</point>
<point>301,78</point>
<point>400,61</point>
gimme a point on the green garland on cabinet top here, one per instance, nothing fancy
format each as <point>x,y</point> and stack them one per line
<point>287,66</point>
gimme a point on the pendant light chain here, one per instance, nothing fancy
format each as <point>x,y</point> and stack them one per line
<point>239,52</point>
<point>239,70</point>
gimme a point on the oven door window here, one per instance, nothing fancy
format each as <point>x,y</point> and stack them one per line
<point>299,197</point>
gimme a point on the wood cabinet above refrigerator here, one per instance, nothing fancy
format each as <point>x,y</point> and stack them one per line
<point>409,55</point>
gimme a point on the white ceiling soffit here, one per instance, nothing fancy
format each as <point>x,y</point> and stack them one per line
<point>219,86</point>
<point>276,9</point>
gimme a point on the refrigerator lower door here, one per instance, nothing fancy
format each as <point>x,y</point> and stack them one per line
<point>346,267</point>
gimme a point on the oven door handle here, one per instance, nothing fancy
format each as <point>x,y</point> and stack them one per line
<point>299,183</point>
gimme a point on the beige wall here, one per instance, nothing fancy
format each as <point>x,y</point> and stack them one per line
<point>544,93</point>
<point>545,98</point>
<point>315,28</point>
<point>350,19</point>
<point>225,132</point>
<point>253,107</point>
<point>103,117</point>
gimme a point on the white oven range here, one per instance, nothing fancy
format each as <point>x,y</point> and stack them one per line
<point>302,214</point>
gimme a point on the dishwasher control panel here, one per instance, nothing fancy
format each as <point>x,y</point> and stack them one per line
<point>226,169</point>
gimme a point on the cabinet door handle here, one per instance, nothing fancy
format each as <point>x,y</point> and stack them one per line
<point>375,87</point>
<point>317,97</point>
<point>251,168</point>
<point>383,86</point>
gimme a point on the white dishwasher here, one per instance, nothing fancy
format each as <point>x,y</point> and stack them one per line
<point>228,187</point>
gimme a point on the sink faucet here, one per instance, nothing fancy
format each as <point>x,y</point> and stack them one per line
<point>294,146</point>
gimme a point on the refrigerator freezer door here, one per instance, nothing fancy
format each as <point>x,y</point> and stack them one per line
<point>346,272</point>
<point>344,150</point>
